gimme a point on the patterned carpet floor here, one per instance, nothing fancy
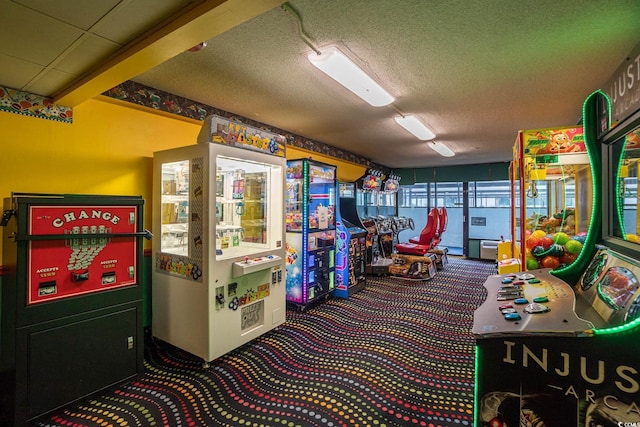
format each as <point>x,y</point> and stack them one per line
<point>398,353</point>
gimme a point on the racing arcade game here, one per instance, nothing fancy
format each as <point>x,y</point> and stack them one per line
<point>379,227</point>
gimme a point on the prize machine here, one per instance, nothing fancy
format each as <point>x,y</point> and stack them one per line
<point>351,244</point>
<point>554,204</point>
<point>72,310</point>
<point>311,231</point>
<point>218,273</point>
<point>378,225</point>
<point>551,353</point>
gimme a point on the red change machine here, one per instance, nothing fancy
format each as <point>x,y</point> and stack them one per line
<point>72,320</point>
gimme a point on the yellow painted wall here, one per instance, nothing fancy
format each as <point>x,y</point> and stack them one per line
<point>107,150</point>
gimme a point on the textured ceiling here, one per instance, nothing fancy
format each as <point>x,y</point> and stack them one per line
<point>475,72</point>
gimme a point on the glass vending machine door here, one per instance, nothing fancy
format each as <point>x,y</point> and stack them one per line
<point>175,207</point>
<point>245,205</point>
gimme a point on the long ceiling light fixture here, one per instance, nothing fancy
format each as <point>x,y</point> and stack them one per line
<point>416,127</point>
<point>340,68</point>
<point>441,149</point>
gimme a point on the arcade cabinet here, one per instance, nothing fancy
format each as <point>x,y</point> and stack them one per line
<point>554,202</point>
<point>219,259</point>
<point>379,228</point>
<point>555,355</point>
<point>351,244</point>
<point>72,321</point>
<point>310,231</point>
<point>555,352</point>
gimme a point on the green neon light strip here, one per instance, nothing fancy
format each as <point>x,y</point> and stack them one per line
<point>595,191</point>
<point>619,194</point>
<point>475,388</point>
<point>617,329</point>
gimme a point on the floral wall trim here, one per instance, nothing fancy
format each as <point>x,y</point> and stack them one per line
<point>149,97</point>
<point>28,104</point>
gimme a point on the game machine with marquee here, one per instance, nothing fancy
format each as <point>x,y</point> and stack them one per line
<point>72,310</point>
<point>556,352</point>
<point>310,231</point>
<point>555,205</point>
<point>351,244</point>
<point>218,212</point>
<point>379,227</point>
<point>388,202</point>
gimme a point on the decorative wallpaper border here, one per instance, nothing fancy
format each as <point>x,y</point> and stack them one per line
<point>29,104</point>
<point>136,93</point>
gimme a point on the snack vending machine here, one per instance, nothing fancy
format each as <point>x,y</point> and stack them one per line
<point>218,209</point>
<point>72,321</point>
<point>549,354</point>
<point>311,231</point>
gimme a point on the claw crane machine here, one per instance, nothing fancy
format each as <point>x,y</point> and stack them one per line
<point>311,231</point>
<point>218,209</point>
<point>557,353</point>
<point>554,205</point>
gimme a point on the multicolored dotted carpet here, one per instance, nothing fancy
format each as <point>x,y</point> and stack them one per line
<point>398,353</point>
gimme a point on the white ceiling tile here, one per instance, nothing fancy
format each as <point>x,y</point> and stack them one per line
<point>31,36</point>
<point>89,51</point>
<point>50,83</point>
<point>135,17</point>
<point>81,14</point>
<point>16,73</point>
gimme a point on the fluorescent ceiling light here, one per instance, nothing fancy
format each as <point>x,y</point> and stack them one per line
<point>344,71</point>
<point>416,127</point>
<point>441,149</point>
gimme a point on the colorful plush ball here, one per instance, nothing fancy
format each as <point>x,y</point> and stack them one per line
<point>546,242</point>
<point>550,262</point>
<point>556,250</point>
<point>532,264</point>
<point>539,233</point>
<point>561,238</point>
<point>538,251</point>
<point>532,242</point>
<point>573,246</point>
<point>567,258</point>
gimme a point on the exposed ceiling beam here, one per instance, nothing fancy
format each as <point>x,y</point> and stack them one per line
<point>203,22</point>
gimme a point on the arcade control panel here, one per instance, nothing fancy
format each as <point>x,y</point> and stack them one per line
<point>251,265</point>
<point>533,302</point>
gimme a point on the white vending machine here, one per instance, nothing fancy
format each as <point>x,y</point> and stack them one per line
<point>218,210</point>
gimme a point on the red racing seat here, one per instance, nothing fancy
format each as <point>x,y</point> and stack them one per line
<point>442,226</point>
<point>429,230</point>
<point>424,242</point>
